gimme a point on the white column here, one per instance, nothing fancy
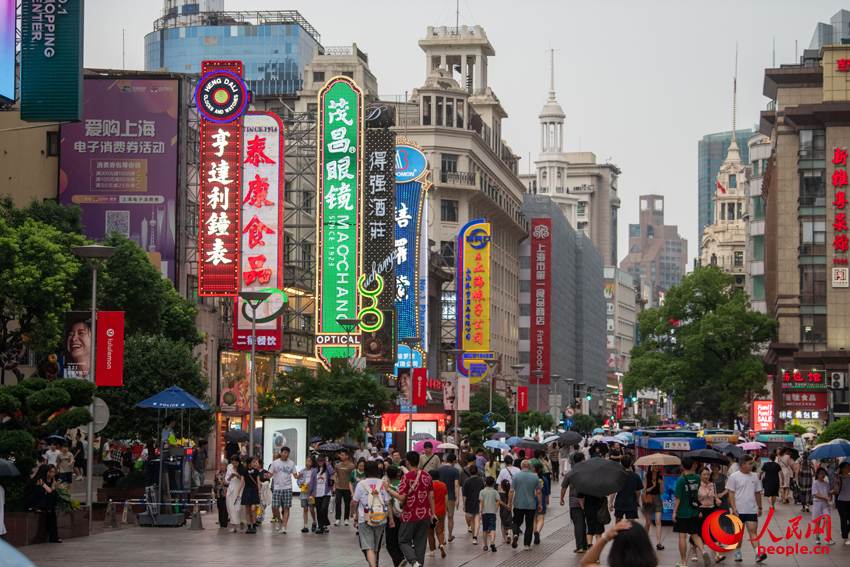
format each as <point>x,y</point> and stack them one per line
<point>427,65</point>
<point>479,73</point>
<point>445,112</point>
<point>542,138</point>
<point>463,72</point>
<point>434,109</point>
<point>561,137</point>
<point>442,62</point>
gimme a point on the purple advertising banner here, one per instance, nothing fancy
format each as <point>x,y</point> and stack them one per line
<point>120,164</point>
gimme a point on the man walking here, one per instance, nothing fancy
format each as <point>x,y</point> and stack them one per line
<point>416,492</point>
<point>361,453</point>
<point>624,504</point>
<point>450,476</point>
<point>686,520</point>
<point>745,490</point>
<point>282,470</point>
<point>199,462</point>
<point>342,487</point>
<point>576,511</point>
<point>523,497</point>
<point>430,461</point>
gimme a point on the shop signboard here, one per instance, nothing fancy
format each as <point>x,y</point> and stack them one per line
<point>541,299</point>
<point>473,294</point>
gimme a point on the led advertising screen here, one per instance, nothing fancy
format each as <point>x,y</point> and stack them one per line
<point>7,50</point>
<point>119,164</point>
<point>279,432</point>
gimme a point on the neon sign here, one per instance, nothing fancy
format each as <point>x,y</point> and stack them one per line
<point>473,295</point>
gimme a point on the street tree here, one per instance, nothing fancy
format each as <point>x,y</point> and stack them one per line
<point>480,402</point>
<point>336,400</point>
<point>583,423</point>
<point>699,347</point>
<point>475,428</point>
<point>839,429</point>
<point>535,421</point>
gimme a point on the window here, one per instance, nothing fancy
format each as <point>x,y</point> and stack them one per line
<point>758,287</point>
<point>740,211</point>
<point>52,144</point>
<point>634,231</point>
<point>758,208</point>
<point>644,203</point>
<point>524,310</point>
<point>439,120</point>
<point>813,187</point>
<point>448,210</point>
<point>813,284</point>
<point>650,232</point>
<point>426,110</point>
<point>731,214</point>
<point>755,168</point>
<point>659,205</point>
<point>447,250</point>
<point>812,144</point>
<point>450,112</point>
<point>449,163</point>
<point>448,305</point>
<point>813,232</point>
<point>758,248</point>
<point>525,285</point>
<point>524,333</point>
<point>349,74</point>
<point>733,182</point>
<point>318,77</point>
<point>739,259</point>
<point>813,328</point>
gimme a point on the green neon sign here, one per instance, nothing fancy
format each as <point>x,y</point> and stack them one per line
<point>274,315</point>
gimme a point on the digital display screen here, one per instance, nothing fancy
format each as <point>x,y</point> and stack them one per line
<point>7,49</point>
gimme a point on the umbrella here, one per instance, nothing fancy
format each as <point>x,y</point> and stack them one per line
<point>808,435</point>
<point>513,441</point>
<point>12,557</point>
<point>8,468</point>
<point>728,449</point>
<point>660,459</point>
<point>315,440</point>
<point>351,446</point>
<point>597,437</point>
<point>173,398</point>
<point>421,436</point>
<point>118,443</point>
<point>751,446</point>
<point>533,445</point>
<point>236,436</point>
<point>499,435</point>
<point>603,448</point>
<point>610,440</point>
<point>708,456</point>
<point>330,447</point>
<point>795,454</point>
<point>830,451</point>
<point>493,444</point>
<point>419,447</point>
<point>59,440</point>
<point>550,439</point>
<point>839,441</point>
<point>450,446</point>
<point>598,477</point>
<point>570,438</point>
<point>599,430</point>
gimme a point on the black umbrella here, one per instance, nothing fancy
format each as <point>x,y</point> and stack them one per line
<point>330,447</point>
<point>422,437</point>
<point>237,436</point>
<point>795,454</point>
<point>729,449</point>
<point>58,439</point>
<point>570,438</point>
<point>708,456</point>
<point>598,477</point>
<point>316,440</point>
<point>603,448</point>
<point>8,468</point>
<point>351,446</point>
<point>533,445</point>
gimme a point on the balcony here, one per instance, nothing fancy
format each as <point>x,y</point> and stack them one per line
<point>464,178</point>
<point>584,189</point>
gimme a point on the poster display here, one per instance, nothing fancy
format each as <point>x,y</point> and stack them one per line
<point>473,297</point>
<point>110,349</point>
<point>463,393</point>
<point>522,398</point>
<point>398,421</point>
<point>235,381</point>
<point>7,50</point>
<point>763,412</point>
<point>541,298</point>
<point>279,432</point>
<point>119,164</point>
<point>78,343</point>
<point>403,382</point>
<point>450,392</point>
<point>420,386</point>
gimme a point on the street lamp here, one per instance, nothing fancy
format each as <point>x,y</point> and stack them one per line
<point>554,380</point>
<point>516,368</point>
<point>348,325</point>
<point>491,364</point>
<point>539,375</point>
<point>409,342</point>
<point>569,382</point>
<point>454,353</point>
<point>253,298</point>
<point>94,255</point>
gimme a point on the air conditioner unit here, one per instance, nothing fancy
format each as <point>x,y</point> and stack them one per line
<point>838,380</point>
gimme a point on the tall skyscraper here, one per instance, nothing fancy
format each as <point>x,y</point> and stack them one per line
<point>833,33</point>
<point>712,151</point>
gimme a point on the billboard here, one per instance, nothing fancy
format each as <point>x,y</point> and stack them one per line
<point>522,398</point>
<point>235,380</point>
<point>404,382</point>
<point>261,232</point>
<point>450,392</point>
<point>119,164</point>
<point>541,298</point>
<point>473,295</point>
<point>279,432</point>
<point>51,60</point>
<point>7,50</point>
<point>463,393</point>
<point>763,415</point>
<point>110,348</point>
<point>420,386</point>
<point>339,193</point>
<point>78,337</point>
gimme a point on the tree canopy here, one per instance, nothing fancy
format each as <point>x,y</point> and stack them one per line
<point>699,347</point>
<point>839,429</point>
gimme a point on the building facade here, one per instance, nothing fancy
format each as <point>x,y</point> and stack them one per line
<point>754,221</point>
<point>711,152</point>
<point>657,252</point>
<point>621,322</point>
<point>833,33</point>
<point>805,235</point>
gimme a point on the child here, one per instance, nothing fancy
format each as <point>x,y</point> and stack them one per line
<point>505,512</point>
<point>820,505</point>
<point>490,502</point>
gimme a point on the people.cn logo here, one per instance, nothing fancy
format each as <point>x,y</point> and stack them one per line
<point>716,537</point>
<point>541,231</point>
<point>478,238</point>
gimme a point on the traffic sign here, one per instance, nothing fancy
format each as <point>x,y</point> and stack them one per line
<point>569,412</point>
<point>609,413</point>
<point>568,422</point>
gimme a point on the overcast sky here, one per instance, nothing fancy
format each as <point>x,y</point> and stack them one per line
<point>640,82</point>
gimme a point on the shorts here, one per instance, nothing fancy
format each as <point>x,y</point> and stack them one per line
<point>450,508</point>
<point>541,513</point>
<point>656,507</point>
<point>370,536</point>
<point>688,526</point>
<point>472,514</point>
<point>749,518</point>
<point>627,514</point>
<point>282,498</point>
<point>489,522</point>
<point>305,503</point>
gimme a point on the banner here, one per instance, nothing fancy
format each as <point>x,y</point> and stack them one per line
<point>51,60</point>
<point>420,386</point>
<point>522,398</point>
<point>450,392</point>
<point>541,297</point>
<point>110,348</point>
<point>404,383</point>
<point>285,432</point>
<point>463,393</point>
<point>119,164</point>
<point>78,345</point>
<point>763,414</point>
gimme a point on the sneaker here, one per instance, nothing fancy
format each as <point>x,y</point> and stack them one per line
<point>536,538</point>
<point>761,557</point>
<point>830,542</point>
<point>415,564</point>
<point>527,548</point>
<point>475,541</point>
<point>283,530</point>
<point>493,547</point>
<point>469,530</point>
<point>304,530</point>
<point>847,542</point>
<point>336,523</point>
<point>738,556</point>
<point>514,542</point>
<point>313,528</point>
<point>277,527</point>
<point>403,563</point>
<point>581,550</point>
<point>346,523</point>
<point>706,559</point>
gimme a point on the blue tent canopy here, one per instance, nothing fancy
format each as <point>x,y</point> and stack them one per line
<point>173,398</point>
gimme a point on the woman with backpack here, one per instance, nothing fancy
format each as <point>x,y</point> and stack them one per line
<point>373,512</point>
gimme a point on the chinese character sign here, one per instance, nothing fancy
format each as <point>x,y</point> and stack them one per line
<point>804,400</point>
<point>803,379</point>
<point>119,164</point>
<point>541,296</point>
<point>473,279</point>
<point>763,413</point>
<point>339,193</point>
<point>839,182</point>
<point>261,231</point>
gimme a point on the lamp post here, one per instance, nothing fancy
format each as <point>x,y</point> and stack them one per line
<point>539,375</point>
<point>95,255</point>
<point>569,382</point>
<point>253,298</point>
<point>491,364</point>
<point>349,325</point>
<point>516,368</point>
<point>580,399</point>
<point>409,342</point>
<point>455,353</point>
<point>554,379</point>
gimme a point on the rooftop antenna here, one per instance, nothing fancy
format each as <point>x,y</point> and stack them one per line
<point>735,95</point>
<point>457,14</point>
<point>774,52</point>
<point>123,61</point>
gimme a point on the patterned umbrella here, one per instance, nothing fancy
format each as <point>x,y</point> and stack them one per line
<point>514,440</point>
<point>499,435</point>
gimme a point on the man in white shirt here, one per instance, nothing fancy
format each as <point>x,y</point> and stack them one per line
<point>361,453</point>
<point>50,456</point>
<point>282,470</point>
<point>508,472</point>
<point>745,491</point>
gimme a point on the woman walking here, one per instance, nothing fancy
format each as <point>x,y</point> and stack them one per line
<point>787,464</point>
<point>543,503</point>
<point>304,486</point>
<point>235,510</point>
<point>219,492</point>
<point>492,468</point>
<point>820,506</point>
<point>805,475</point>
<point>708,500</point>
<point>771,479</point>
<point>251,481</point>
<point>842,500</point>
<point>320,491</point>
<point>40,496</point>
<point>719,481</point>
<point>652,483</point>
<point>543,457</point>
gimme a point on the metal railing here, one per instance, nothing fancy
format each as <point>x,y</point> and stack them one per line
<point>343,50</point>
<point>256,18</point>
<point>470,30</point>
<point>466,178</point>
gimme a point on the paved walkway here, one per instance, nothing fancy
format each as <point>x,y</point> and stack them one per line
<point>214,547</point>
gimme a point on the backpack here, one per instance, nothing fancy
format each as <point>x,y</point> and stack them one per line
<point>603,517</point>
<point>375,511</point>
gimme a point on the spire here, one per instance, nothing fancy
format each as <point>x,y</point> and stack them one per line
<point>552,74</point>
<point>733,153</point>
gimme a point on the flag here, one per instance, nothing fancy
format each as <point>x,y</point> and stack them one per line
<point>719,186</point>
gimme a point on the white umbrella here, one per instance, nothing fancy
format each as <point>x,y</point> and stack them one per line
<point>447,446</point>
<point>839,441</point>
<point>808,435</point>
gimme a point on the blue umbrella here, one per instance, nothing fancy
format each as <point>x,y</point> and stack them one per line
<point>830,451</point>
<point>173,398</point>
<point>511,441</point>
<point>599,430</point>
<point>497,445</point>
<point>550,439</point>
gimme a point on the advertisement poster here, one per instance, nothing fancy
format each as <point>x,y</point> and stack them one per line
<point>541,299</point>
<point>763,412</point>
<point>110,348</point>
<point>522,398</point>
<point>279,432</point>
<point>403,382</point>
<point>463,393</point>
<point>450,393</point>
<point>236,380</point>
<point>119,164</point>
<point>396,422</point>
<point>420,386</point>
<point>78,339</point>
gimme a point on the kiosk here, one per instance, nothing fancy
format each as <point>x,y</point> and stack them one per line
<point>673,442</point>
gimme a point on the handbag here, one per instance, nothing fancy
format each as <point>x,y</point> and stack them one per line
<point>647,499</point>
<point>603,517</point>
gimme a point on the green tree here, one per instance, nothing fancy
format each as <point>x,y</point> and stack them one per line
<point>336,400</point>
<point>583,423</point>
<point>480,402</point>
<point>795,429</point>
<point>653,420</point>
<point>535,421</point>
<point>475,428</point>
<point>698,347</point>
<point>152,364</point>
<point>66,219</point>
<point>839,429</point>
